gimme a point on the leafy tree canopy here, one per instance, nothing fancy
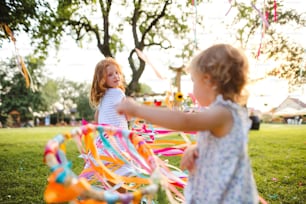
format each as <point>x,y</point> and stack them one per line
<point>13,92</point>
<point>143,24</point>
<point>275,45</point>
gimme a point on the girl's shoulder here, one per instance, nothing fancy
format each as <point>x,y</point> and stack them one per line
<point>115,92</point>
<point>226,103</point>
<point>239,113</point>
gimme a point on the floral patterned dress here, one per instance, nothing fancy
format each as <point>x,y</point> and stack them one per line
<point>223,171</point>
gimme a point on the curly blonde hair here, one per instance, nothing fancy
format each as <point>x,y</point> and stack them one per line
<point>98,86</point>
<point>228,68</point>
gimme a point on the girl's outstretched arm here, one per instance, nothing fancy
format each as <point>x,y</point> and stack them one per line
<point>209,119</point>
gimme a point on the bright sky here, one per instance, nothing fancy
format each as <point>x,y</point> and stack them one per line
<point>78,64</point>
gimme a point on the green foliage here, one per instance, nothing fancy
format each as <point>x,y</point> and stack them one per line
<point>25,16</point>
<point>153,23</point>
<point>42,96</point>
<point>276,44</point>
<point>149,24</point>
<point>145,89</point>
<point>291,55</point>
<point>74,98</point>
<point>18,14</point>
<point>9,121</point>
<point>13,92</point>
<point>84,109</point>
<point>50,92</point>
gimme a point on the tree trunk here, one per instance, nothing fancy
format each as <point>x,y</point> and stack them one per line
<point>134,86</point>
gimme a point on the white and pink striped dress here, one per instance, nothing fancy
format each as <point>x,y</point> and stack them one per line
<point>107,109</point>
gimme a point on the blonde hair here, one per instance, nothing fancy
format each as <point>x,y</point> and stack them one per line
<point>98,86</point>
<point>228,68</point>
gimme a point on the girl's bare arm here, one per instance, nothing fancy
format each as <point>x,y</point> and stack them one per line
<point>217,118</point>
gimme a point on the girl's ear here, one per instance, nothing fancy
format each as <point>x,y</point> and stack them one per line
<point>206,78</point>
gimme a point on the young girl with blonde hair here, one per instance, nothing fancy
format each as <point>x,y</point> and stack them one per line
<point>218,164</point>
<point>107,90</point>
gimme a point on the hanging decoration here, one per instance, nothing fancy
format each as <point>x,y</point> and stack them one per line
<point>264,25</point>
<point>230,8</point>
<point>194,3</point>
<point>142,56</point>
<point>23,69</point>
<point>263,18</point>
<point>275,11</point>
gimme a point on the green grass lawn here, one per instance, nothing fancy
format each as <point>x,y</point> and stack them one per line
<point>277,153</point>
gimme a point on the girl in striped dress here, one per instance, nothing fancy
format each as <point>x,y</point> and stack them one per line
<point>107,91</point>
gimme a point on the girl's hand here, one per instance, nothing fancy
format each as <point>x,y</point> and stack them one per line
<point>127,107</point>
<point>189,157</point>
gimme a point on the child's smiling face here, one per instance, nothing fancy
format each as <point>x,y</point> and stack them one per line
<point>112,77</point>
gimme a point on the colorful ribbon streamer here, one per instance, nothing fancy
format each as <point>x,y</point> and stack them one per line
<point>23,69</point>
<point>64,185</point>
<point>142,56</point>
<point>275,11</point>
